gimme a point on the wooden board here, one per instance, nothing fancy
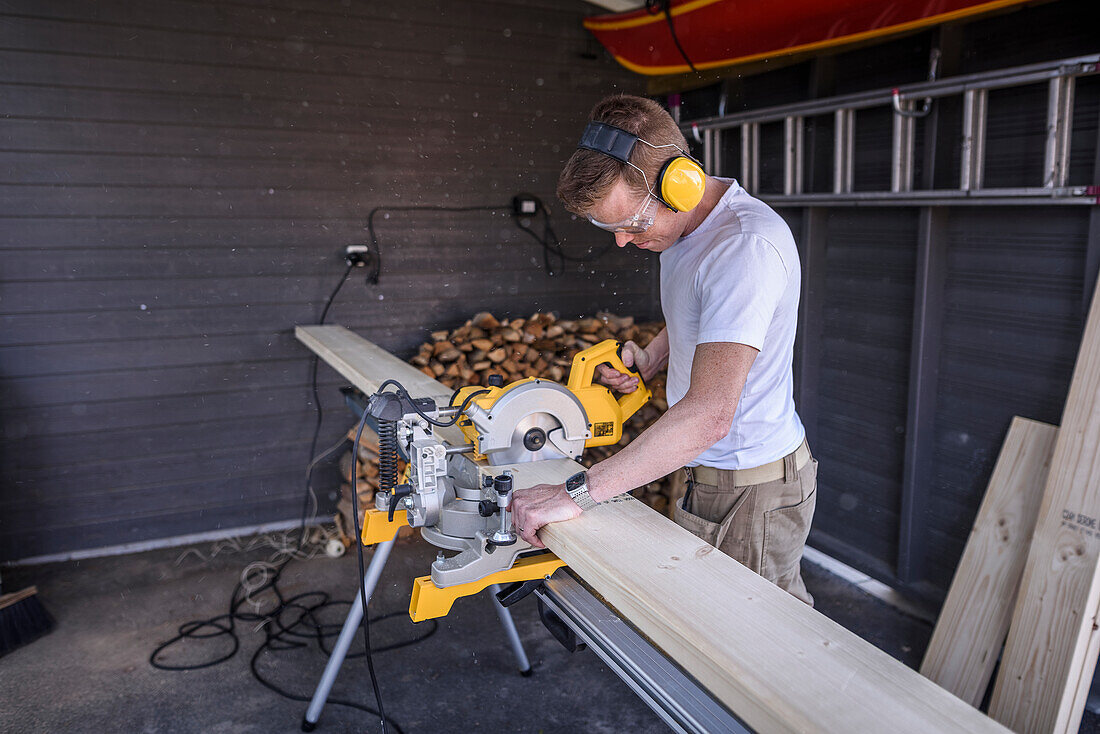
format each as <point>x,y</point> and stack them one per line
<point>775,662</point>
<point>1052,644</point>
<point>974,620</point>
<point>367,366</point>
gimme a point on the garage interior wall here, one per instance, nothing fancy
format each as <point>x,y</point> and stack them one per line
<point>179,181</point>
<point>1007,288</point>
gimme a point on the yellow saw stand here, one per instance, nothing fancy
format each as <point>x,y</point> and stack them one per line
<point>428,601</point>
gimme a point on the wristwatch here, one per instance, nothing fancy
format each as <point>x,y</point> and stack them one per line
<point>577,487</point>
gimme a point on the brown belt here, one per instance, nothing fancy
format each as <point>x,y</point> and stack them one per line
<point>769,472</point>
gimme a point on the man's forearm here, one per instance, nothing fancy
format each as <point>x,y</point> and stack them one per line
<point>657,351</point>
<point>677,437</point>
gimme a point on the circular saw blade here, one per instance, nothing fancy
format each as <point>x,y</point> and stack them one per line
<point>518,453</point>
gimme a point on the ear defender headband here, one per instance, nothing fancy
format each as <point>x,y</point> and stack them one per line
<point>680,182</point>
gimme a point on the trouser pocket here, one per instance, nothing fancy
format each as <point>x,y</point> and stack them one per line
<point>785,533</point>
<point>721,509</point>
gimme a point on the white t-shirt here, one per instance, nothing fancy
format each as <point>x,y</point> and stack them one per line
<point>736,278</point>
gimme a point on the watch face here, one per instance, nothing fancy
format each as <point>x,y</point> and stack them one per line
<point>576,481</point>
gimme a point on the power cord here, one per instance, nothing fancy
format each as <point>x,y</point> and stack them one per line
<point>551,245</point>
<point>309,493</point>
<point>381,712</point>
<point>386,467</point>
<point>282,631</point>
<point>400,390</point>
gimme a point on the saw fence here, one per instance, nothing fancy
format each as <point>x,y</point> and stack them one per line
<point>777,664</point>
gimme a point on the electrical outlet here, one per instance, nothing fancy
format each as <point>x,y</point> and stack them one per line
<point>525,205</point>
<point>357,255</point>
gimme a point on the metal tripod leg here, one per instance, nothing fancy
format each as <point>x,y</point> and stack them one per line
<point>347,634</point>
<point>510,630</point>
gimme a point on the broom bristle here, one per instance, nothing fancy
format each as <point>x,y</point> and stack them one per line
<point>22,622</point>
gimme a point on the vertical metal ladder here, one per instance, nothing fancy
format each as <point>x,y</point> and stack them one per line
<point>1060,77</point>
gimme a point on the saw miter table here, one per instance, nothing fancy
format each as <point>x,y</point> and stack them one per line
<point>708,644</point>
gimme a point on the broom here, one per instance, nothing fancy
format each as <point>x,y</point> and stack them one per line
<point>23,619</point>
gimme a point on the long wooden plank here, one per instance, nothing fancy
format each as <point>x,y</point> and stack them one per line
<point>367,366</point>
<point>771,659</point>
<point>1051,650</point>
<point>974,620</point>
<point>774,661</point>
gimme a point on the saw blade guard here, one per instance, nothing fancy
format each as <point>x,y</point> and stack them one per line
<point>502,423</point>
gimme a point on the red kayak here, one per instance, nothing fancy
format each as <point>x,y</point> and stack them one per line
<point>715,33</point>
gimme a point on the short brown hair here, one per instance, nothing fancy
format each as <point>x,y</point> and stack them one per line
<point>588,175</point>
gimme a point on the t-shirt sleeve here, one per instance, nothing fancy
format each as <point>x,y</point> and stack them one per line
<point>739,288</point>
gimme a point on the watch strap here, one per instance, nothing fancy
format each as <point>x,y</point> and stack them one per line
<point>577,487</point>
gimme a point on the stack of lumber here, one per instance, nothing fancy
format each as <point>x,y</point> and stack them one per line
<point>1054,639</point>
<point>539,346</point>
<point>1031,569</point>
<point>974,621</point>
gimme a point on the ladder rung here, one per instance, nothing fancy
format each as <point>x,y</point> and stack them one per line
<point>843,150</point>
<point>792,155</point>
<point>750,157</point>
<point>1059,129</point>
<point>901,158</point>
<point>972,163</point>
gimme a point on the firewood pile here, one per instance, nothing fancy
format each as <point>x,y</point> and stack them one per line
<point>539,346</point>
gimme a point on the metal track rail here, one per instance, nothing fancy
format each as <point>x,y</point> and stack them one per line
<point>680,701</point>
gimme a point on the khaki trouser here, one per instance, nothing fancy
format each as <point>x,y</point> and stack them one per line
<point>761,526</point>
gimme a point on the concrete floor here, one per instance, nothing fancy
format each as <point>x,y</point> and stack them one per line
<point>92,673</point>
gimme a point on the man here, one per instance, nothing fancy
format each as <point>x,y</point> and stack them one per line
<point>730,282</point>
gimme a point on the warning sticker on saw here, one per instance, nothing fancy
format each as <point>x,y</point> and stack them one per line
<point>606,428</point>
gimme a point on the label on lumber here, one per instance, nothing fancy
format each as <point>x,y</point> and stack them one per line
<point>1080,522</point>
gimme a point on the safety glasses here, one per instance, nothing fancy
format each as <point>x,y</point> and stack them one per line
<point>647,212</point>
<point>636,224</point>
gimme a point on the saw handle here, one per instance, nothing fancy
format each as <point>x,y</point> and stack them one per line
<point>609,351</point>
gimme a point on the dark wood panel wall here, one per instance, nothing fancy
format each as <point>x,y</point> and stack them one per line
<point>903,470</point>
<point>177,180</point>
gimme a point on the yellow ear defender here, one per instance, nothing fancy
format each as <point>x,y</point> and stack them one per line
<point>680,182</point>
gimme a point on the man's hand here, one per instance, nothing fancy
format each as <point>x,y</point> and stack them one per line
<point>633,356</point>
<point>534,507</point>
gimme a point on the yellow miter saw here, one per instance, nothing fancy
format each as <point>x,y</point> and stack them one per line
<point>459,484</point>
<point>536,419</point>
